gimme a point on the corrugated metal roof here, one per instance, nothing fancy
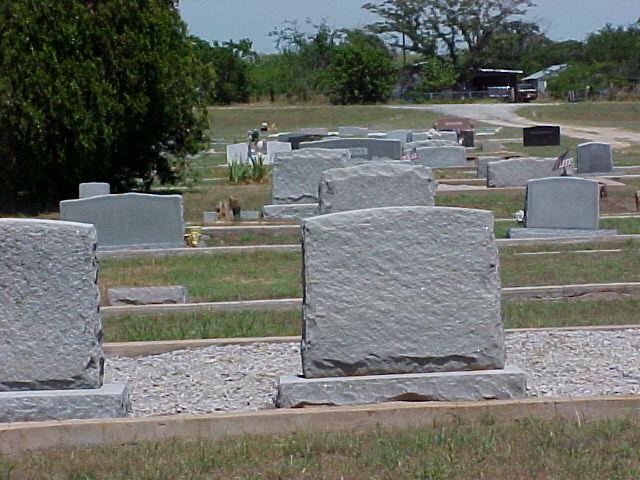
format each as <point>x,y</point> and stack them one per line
<point>553,69</point>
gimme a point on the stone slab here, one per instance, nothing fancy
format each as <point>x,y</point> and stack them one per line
<point>250,215</point>
<point>296,174</point>
<point>491,146</point>
<point>403,135</point>
<point>594,157</point>
<point>131,220</point>
<point>147,295</point>
<point>376,148</point>
<point>109,401</point>
<point>316,131</point>
<point>440,157</point>
<point>481,165</point>
<point>541,136</point>
<point>353,131</point>
<point>93,189</point>
<point>49,306</point>
<point>376,184</point>
<point>558,232</point>
<point>562,202</point>
<point>516,172</point>
<point>501,384</point>
<point>400,290</point>
<point>238,152</point>
<point>429,143</point>
<point>291,212</point>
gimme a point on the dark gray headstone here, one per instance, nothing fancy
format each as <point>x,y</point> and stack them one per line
<point>541,136</point>
<point>594,157</point>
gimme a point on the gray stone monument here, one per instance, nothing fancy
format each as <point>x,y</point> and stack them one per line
<point>51,360</point>
<point>429,143</point>
<point>367,148</point>
<point>441,157</point>
<point>561,207</point>
<point>94,189</point>
<point>481,165</point>
<point>403,135</point>
<point>130,220</point>
<point>491,146</point>
<point>516,172</point>
<point>400,303</point>
<point>375,184</point>
<point>594,157</point>
<point>294,212</point>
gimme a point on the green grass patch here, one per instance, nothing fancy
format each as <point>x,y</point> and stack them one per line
<point>524,449</point>
<point>502,205</point>
<point>253,239</point>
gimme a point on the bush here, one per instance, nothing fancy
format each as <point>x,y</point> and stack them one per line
<point>92,91</point>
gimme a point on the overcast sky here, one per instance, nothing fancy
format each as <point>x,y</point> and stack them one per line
<point>234,19</point>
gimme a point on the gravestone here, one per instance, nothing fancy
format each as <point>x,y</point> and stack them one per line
<point>594,157</point>
<point>353,132</point>
<point>375,184</point>
<point>276,147</point>
<point>403,135</point>
<point>93,189</point>
<point>130,220</point>
<point>441,157</point>
<point>430,143</point>
<point>447,135</point>
<point>454,123</point>
<point>400,303</point>
<point>516,172</point>
<point>52,363</point>
<point>561,207</point>
<point>541,136</point>
<point>296,174</point>
<point>491,146</point>
<point>468,138</point>
<point>237,152</point>
<point>481,165</point>
<point>375,148</point>
<point>147,295</point>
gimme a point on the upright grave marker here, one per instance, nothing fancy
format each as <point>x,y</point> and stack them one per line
<point>441,157</point>
<point>367,148</point>
<point>400,303</point>
<point>516,172</point>
<point>541,136</point>
<point>594,157</point>
<point>453,123</point>
<point>93,189</point>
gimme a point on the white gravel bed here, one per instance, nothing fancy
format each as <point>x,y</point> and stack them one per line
<point>243,377</point>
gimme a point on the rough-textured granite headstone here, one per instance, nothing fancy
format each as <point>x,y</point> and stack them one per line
<point>296,174</point>
<point>290,212</point>
<point>541,136</point>
<point>562,202</point>
<point>147,295</point>
<point>353,131</point>
<point>375,184</point>
<point>130,220</point>
<point>375,147</point>
<point>400,290</point>
<point>490,146</point>
<point>516,172</point>
<point>429,143</point>
<point>439,157</point>
<point>594,157</point>
<point>49,306</point>
<point>94,189</point>
<point>403,135</point>
<point>276,147</point>
<point>481,165</point>
<point>238,152</point>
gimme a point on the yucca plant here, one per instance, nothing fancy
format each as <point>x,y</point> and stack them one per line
<point>258,170</point>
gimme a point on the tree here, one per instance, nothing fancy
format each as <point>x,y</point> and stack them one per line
<point>360,70</point>
<point>99,90</point>
<point>464,27</point>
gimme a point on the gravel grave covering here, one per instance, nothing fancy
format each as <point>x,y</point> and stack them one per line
<point>243,377</point>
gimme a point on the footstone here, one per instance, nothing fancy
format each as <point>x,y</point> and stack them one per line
<point>292,212</point>
<point>562,202</point>
<point>440,157</point>
<point>594,157</point>
<point>130,220</point>
<point>400,290</point>
<point>481,165</point>
<point>446,386</point>
<point>558,232</point>
<point>296,174</point>
<point>109,401</point>
<point>375,148</point>
<point>353,131</point>
<point>209,217</point>
<point>516,172</point>
<point>93,189</point>
<point>375,184</point>
<point>49,306</point>
<point>147,295</point>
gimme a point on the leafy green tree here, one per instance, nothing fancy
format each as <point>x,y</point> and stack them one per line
<point>437,75</point>
<point>92,90</point>
<point>360,70</point>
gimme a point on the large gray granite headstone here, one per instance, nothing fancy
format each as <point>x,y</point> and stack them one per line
<point>516,172</point>
<point>375,184</point>
<point>400,290</point>
<point>130,220</point>
<point>440,157</point>
<point>375,148</point>
<point>481,165</point>
<point>562,202</point>
<point>353,131</point>
<point>147,295</point>
<point>93,189</point>
<point>594,157</point>
<point>49,306</point>
<point>403,135</point>
<point>296,174</point>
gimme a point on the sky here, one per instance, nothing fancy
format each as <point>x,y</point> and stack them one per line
<point>235,19</point>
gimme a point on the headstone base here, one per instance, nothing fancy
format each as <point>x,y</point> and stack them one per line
<point>296,391</point>
<point>290,212</point>
<point>110,401</point>
<point>558,232</point>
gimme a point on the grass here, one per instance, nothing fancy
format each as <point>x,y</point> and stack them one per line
<point>624,226</point>
<point>502,205</point>
<point>515,314</point>
<point>253,239</point>
<point>483,448</point>
<point>624,115</point>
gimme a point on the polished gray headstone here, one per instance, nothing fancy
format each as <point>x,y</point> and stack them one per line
<point>594,157</point>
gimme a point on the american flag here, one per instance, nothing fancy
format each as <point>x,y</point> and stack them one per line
<point>562,162</point>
